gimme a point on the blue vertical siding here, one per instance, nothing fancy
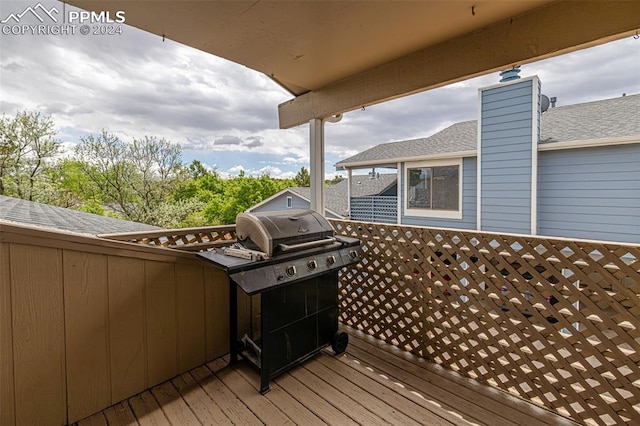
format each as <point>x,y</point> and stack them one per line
<point>506,130</point>
<point>591,193</point>
<point>469,209</point>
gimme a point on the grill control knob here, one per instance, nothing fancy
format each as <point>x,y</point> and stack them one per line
<point>312,264</point>
<point>331,259</point>
<point>291,270</point>
<point>353,254</point>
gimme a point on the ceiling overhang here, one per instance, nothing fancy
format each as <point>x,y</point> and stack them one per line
<point>336,56</point>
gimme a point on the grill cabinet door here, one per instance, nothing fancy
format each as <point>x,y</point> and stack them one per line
<point>302,320</point>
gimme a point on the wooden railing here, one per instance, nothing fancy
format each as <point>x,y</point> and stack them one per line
<point>86,322</point>
<point>189,239</point>
<point>551,320</point>
<point>83,320</point>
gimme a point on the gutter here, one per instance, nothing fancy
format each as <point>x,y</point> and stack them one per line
<point>393,161</point>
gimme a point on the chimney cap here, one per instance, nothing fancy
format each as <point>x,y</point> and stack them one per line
<point>510,74</point>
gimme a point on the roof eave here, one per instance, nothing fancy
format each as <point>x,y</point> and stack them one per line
<point>392,162</point>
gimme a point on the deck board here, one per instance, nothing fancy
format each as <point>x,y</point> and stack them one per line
<point>288,404</point>
<point>374,402</point>
<point>147,411</point>
<point>264,409</point>
<point>97,419</point>
<point>502,408</point>
<point>230,405</point>
<point>314,402</point>
<point>119,415</point>
<point>205,409</point>
<point>371,384</point>
<point>174,407</point>
<point>387,391</point>
<point>333,393</point>
<point>455,407</point>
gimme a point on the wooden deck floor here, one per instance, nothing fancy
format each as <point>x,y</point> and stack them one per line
<point>371,384</point>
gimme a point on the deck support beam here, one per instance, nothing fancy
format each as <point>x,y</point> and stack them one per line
<point>316,164</point>
<point>316,161</point>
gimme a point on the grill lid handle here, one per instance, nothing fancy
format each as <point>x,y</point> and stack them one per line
<point>301,246</point>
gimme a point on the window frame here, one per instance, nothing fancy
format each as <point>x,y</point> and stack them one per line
<point>433,213</point>
<point>289,202</point>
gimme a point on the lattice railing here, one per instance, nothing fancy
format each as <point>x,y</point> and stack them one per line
<point>374,208</point>
<point>191,239</point>
<point>554,321</point>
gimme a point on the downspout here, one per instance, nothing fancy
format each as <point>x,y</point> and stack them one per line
<point>349,180</point>
<point>399,193</point>
<point>316,172</point>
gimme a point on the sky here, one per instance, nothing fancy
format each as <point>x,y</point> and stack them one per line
<point>134,84</point>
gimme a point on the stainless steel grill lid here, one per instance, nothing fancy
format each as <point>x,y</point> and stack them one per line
<point>281,231</point>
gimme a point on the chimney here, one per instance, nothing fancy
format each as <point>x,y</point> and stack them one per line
<point>510,74</point>
<point>508,131</point>
<point>553,101</point>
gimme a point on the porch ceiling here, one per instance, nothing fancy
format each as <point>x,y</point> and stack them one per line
<point>336,56</point>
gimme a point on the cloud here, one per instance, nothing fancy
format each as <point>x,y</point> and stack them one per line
<point>253,142</point>
<point>269,170</point>
<point>236,169</point>
<point>228,140</point>
<point>135,84</point>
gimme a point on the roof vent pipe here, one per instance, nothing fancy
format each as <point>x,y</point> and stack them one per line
<point>510,74</point>
<point>553,101</point>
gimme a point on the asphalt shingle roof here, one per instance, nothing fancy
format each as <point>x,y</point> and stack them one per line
<point>336,194</point>
<point>455,138</point>
<point>31,213</point>
<point>609,118</point>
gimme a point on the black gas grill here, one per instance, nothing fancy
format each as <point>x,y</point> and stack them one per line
<point>290,261</point>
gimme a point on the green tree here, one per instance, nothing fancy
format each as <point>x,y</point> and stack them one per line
<point>27,149</point>
<point>336,179</point>
<point>135,178</point>
<point>239,194</point>
<point>302,178</point>
<point>71,187</point>
<point>197,169</point>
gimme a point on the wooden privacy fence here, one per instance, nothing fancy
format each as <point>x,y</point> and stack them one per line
<point>86,322</point>
<point>555,321</point>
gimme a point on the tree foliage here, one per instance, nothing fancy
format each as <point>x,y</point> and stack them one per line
<point>225,198</point>
<point>134,179</point>
<point>336,179</point>
<point>27,149</point>
<point>303,178</point>
<point>143,180</point>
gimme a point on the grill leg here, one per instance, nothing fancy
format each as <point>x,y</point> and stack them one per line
<point>233,323</point>
<point>264,382</point>
<point>264,353</point>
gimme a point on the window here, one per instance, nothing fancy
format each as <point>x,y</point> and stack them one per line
<point>433,189</point>
<point>289,202</point>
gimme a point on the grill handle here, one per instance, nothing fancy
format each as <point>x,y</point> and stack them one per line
<point>301,246</point>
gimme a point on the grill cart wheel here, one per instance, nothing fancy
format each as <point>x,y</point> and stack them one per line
<point>339,342</point>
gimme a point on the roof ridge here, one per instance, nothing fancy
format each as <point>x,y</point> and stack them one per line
<point>582,104</point>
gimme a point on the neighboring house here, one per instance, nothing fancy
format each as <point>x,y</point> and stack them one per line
<point>336,195</point>
<point>31,213</point>
<point>571,171</point>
